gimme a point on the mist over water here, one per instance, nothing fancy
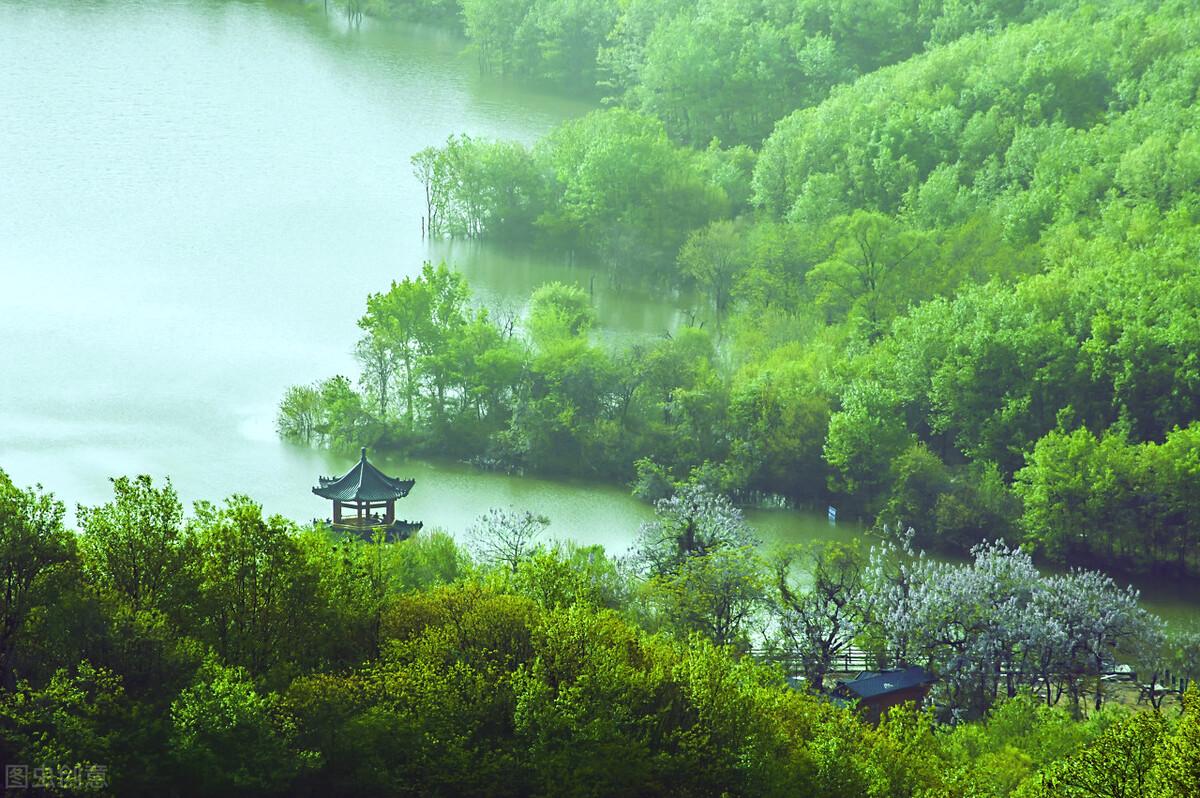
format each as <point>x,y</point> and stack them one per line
<point>195,201</point>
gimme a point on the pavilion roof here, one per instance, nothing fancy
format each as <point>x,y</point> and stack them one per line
<point>364,482</point>
<point>868,684</point>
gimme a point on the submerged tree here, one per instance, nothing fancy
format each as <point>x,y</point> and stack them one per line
<point>300,414</point>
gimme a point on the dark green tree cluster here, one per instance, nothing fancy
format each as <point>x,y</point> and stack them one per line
<point>1142,495</point>
<point>946,273</point>
<point>440,377</point>
<point>227,653</point>
<point>610,185</point>
<point>157,647</point>
<point>708,69</point>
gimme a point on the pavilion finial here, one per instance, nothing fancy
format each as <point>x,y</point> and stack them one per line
<point>364,454</point>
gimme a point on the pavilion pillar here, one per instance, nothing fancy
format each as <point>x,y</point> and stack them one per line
<point>390,512</point>
<point>337,512</point>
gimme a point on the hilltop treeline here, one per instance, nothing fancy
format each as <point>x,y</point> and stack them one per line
<point>224,652</point>
<point>726,70</point>
<point>928,288</point>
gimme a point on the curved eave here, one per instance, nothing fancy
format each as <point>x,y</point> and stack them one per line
<point>356,493</point>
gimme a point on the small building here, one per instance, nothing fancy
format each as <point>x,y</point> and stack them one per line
<point>367,492</point>
<point>874,692</point>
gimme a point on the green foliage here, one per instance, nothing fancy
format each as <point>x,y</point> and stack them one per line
<point>708,69</point>
<point>257,593</point>
<point>291,662</point>
<point>134,548</point>
<point>75,720</point>
<point>779,414</point>
<point>712,257</point>
<point>551,40</point>
<point>864,438</point>
<point>872,271</point>
<point>34,552</point>
<point>228,739</point>
<point>920,279</point>
<point>1141,494</point>
<point>475,187</point>
<point>1177,766</point>
<point>1120,762</point>
<point>729,70</point>
<point>557,312</point>
<point>622,190</point>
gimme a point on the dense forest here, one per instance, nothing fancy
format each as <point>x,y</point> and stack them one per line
<point>221,652</point>
<point>946,261</point>
<point>948,252</point>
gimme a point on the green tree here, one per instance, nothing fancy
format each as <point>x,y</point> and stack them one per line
<point>558,311</point>
<point>34,550</point>
<point>259,607</point>
<point>227,738</point>
<point>713,258</point>
<point>873,270</point>
<point>135,548</point>
<point>1177,766</point>
<point>623,191</point>
<point>865,437</point>
<point>1117,765</point>
<point>719,594</point>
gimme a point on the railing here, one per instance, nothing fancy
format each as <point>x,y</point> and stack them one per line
<point>855,659</point>
<point>851,659</point>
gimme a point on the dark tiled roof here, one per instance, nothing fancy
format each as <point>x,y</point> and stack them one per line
<point>364,483</point>
<point>872,685</point>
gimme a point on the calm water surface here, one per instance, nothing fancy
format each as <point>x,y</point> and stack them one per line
<point>195,200</point>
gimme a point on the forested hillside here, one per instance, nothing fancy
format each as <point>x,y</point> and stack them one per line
<point>222,652</point>
<point>727,70</point>
<point>945,264</point>
<point>958,292</point>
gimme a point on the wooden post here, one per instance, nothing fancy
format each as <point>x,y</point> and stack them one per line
<point>390,512</point>
<point>337,512</point>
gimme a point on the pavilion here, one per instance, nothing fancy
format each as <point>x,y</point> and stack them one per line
<point>364,490</point>
<point>876,692</point>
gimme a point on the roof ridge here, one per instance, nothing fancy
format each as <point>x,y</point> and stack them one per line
<point>362,469</point>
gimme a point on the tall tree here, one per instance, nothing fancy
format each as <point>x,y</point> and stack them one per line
<point>135,547</point>
<point>34,545</point>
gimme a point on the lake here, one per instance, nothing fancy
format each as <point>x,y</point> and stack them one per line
<point>196,199</point>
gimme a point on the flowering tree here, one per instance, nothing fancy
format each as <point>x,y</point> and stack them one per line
<point>692,523</point>
<point>507,537</point>
<point>997,623</point>
<point>701,568</point>
<point>1102,623</point>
